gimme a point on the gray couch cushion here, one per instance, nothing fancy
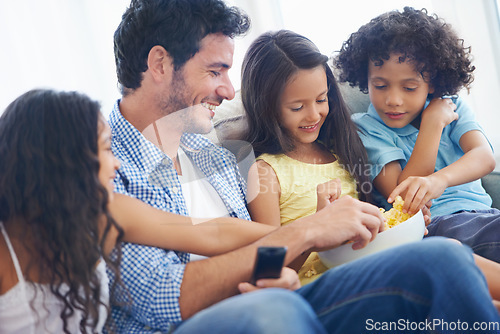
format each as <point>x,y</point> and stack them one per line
<point>491,184</point>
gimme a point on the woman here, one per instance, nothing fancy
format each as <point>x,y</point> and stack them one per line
<point>56,199</point>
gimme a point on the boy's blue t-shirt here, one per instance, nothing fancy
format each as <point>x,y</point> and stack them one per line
<point>385,144</point>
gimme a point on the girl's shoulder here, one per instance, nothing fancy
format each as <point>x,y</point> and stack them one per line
<point>272,159</point>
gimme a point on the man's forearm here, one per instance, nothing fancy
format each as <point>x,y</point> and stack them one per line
<point>346,219</point>
<point>422,161</point>
<point>209,281</point>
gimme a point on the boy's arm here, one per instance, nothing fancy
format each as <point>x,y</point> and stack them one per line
<point>418,182</point>
<point>434,118</point>
<point>477,161</point>
<point>387,179</point>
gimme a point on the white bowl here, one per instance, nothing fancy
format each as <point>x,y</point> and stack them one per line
<point>410,230</point>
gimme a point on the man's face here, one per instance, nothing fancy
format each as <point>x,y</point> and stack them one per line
<point>201,84</point>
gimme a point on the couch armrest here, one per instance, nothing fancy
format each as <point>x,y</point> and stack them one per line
<point>491,184</point>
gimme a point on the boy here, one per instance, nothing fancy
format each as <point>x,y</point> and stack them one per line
<point>422,142</point>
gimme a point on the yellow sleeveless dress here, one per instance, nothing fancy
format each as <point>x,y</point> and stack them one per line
<point>298,181</point>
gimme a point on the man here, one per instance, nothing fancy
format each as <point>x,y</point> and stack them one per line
<point>172,62</point>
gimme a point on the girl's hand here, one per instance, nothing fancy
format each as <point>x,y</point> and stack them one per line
<point>289,280</point>
<point>440,111</point>
<point>327,193</point>
<point>419,190</point>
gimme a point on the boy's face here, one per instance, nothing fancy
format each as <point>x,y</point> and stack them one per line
<point>397,91</point>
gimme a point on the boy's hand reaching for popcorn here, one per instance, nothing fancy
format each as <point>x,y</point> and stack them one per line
<point>419,191</point>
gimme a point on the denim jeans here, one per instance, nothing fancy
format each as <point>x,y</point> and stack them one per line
<point>427,286</point>
<point>479,229</point>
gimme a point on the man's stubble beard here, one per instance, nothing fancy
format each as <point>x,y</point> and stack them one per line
<point>178,107</point>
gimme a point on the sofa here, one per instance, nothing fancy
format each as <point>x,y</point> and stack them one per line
<point>230,124</point>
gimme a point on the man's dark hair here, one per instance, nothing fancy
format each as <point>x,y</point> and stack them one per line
<point>176,25</point>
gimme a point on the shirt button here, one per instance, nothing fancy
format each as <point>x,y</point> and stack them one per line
<point>175,190</point>
<point>165,162</point>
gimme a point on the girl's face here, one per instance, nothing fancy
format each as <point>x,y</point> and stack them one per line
<point>397,91</point>
<point>304,105</point>
<point>107,161</point>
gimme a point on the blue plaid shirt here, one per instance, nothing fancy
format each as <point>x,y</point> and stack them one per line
<point>153,276</point>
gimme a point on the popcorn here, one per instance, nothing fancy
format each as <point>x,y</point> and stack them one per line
<point>311,272</point>
<point>395,215</point>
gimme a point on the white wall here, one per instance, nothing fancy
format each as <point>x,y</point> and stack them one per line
<point>478,24</point>
<point>60,44</point>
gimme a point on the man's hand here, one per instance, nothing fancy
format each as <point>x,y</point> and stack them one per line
<point>346,219</point>
<point>289,280</point>
<point>327,193</point>
<point>419,191</point>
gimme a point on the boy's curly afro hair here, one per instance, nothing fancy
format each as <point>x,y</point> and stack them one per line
<point>429,43</point>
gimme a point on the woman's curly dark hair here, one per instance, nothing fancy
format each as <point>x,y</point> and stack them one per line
<point>177,25</point>
<point>425,40</point>
<point>49,186</point>
<point>269,64</point>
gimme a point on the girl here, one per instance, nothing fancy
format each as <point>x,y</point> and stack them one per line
<point>302,134</point>
<point>56,182</point>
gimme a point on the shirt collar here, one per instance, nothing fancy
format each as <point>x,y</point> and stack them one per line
<point>144,153</point>
<point>125,137</point>
<point>195,142</point>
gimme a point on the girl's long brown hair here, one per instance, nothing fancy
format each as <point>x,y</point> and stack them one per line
<point>49,184</point>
